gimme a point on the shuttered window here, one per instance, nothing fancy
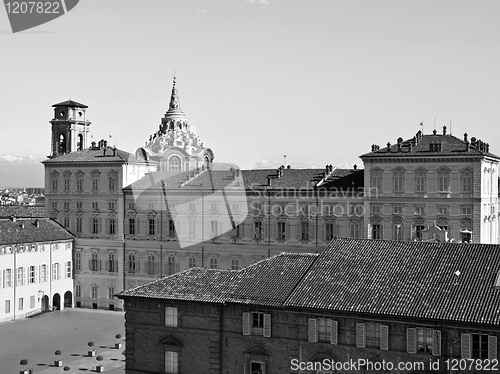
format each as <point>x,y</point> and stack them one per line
<point>479,346</point>
<point>372,335</point>
<point>421,339</point>
<point>171,362</point>
<point>257,323</point>
<point>323,330</point>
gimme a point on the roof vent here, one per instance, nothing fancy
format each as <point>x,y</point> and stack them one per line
<point>36,223</point>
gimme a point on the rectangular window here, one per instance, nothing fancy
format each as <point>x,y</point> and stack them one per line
<point>111,292</point>
<point>78,261</point>
<point>192,206</point>
<point>171,228</point>
<point>172,362</point>
<point>111,226</point>
<point>131,263</point>
<point>32,302</point>
<point>151,226</point>
<point>95,291</point>
<point>94,262</point>
<point>213,229</point>
<point>442,210</point>
<point>354,228</point>
<point>43,273</point>
<point>398,209</point>
<point>112,183</point>
<point>376,209</point>
<point>420,183</point>
<point>31,275</point>
<point>399,181</point>
<point>192,262</point>
<point>79,184</point>
<point>111,206</point>
<point>192,227</point>
<point>443,183</point>
<point>419,210</point>
<point>7,281</point>
<point>66,184</point>
<point>79,225</point>
<point>20,276</point>
<point>397,232</point>
<point>258,230</point>
<point>56,275</point>
<point>377,231</point>
<point>377,183</point>
<point>95,184</point>
<point>214,262</point>
<point>214,207</point>
<point>329,230</point>
<point>467,183</point>
<point>69,273</point>
<point>323,330</point>
<point>111,262</point>
<point>151,264</point>
<point>257,323</point>
<point>66,221</point>
<point>95,225</point>
<point>78,290</point>
<point>235,263</point>
<point>281,231</point>
<point>171,316</point>
<point>131,226</point>
<point>304,230</point>
<point>466,210</point>
<point>21,303</point>
<point>7,306</point>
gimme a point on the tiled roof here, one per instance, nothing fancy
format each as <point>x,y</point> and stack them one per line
<point>71,103</point>
<point>416,280</point>
<point>22,210</point>
<point>270,281</point>
<point>97,155</point>
<point>194,284</point>
<point>252,179</point>
<point>24,230</point>
<point>450,145</point>
<point>407,279</point>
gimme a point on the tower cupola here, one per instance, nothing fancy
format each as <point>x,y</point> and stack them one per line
<point>70,128</point>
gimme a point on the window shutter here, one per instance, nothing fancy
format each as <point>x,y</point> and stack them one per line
<point>384,337</point>
<point>175,317</point>
<point>436,343</point>
<point>334,333</point>
<point>492,347</point>
<point>25,275</point>
<point>360,335</point>
<point>313,333</point>
<point>247,368</point>
<point>465,346</point>
<point>3,278</point>
<point>267,325</point>
<point>246,323</point>
<point>59,268</point>
<point>369,231</point>
<point>411,340</point>
<point>413,232</point>
<point>36,274</point>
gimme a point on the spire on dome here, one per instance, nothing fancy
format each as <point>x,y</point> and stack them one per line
<point>174,98</point>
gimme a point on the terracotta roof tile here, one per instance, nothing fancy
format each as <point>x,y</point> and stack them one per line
<point>24,230</point>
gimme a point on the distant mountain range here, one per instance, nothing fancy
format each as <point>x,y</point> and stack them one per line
<point>21,172</point>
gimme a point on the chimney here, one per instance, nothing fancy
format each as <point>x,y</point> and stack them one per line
<point>400,140</point>
<point>288,167</point>
<point>465,137</point>
<point>355,166</point>
<point>93,145</point>
<point>410,146</point>
<point>444,130</point>
<point>388,146</point>
<point>434,132</point>
<point>105,143</point>
<point>473,142</point>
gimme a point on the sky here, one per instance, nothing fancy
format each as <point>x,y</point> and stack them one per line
<point>319,80</point>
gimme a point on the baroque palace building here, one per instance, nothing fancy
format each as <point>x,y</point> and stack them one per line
<point>169,207</point>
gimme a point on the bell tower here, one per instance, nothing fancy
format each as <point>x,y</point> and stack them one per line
<point>70,128</point>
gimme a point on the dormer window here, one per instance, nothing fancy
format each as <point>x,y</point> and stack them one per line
<point>435,147</point>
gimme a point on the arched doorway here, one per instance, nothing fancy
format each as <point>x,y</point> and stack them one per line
<point>68,299</point>
<point>56,302</point>
<point>45,303</point>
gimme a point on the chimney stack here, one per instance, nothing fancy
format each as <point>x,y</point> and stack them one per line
<point>444,130</point>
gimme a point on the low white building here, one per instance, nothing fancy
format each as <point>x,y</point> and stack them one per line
<point>36,267</point>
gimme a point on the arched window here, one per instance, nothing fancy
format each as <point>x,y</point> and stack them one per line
<point>174,163</point>
<point>466,180</point>
<point>443,175</point>
<point>62,143</point>
<point>54,178</point>
<point>95,180</point>
<point>79,143</point>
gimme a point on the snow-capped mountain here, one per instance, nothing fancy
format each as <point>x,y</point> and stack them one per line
<point>266,164</point>
<point>25,171</point>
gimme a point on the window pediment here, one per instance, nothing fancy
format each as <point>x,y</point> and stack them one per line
<point>257,350</point>
<point>171,341</point>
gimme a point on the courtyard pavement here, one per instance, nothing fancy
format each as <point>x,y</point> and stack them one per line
<point>36,339</point>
